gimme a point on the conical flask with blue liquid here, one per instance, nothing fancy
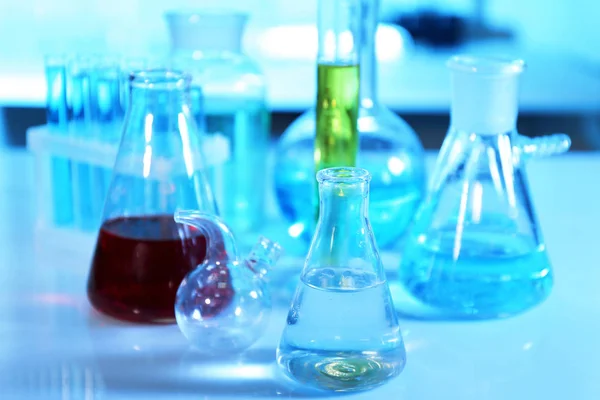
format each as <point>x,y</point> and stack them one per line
<point>475,249</point>
<point>342,331</point>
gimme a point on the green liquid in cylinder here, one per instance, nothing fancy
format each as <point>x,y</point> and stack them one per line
<point>336,142</point>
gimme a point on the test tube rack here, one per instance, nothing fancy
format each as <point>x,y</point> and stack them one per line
<point>73,172</point>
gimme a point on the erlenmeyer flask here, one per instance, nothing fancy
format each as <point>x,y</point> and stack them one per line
<point>342,331</point>
<point>475,249</point>
<point>142,254</point>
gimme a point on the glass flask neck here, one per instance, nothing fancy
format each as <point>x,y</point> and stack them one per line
<point>484,94</point>
<point>343,236</point>
<point>162,90</point>
<point>206,32</point>
<point>264,255</point>
<point>221,242</point>
<point>343,204</point>
<point>368,57</point>
<point>339,31</point>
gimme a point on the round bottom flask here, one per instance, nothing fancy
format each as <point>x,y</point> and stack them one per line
<point>388,148</point>
<point>223,306</point>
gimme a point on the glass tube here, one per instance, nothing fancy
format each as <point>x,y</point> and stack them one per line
<point>338,74</point>
<point>57,115</point>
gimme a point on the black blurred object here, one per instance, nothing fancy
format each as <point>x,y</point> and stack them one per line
<point>434,28</point>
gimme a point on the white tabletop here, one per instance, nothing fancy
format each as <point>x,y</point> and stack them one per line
<point>53,346</point>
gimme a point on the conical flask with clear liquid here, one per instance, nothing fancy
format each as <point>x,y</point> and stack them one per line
<point>475,249</point>
<point>342,332</point>
<point>142,253</point>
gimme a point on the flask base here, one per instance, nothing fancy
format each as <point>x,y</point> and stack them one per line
<point>127,313</point>
<point>138,264</point>
<point>341,371</point>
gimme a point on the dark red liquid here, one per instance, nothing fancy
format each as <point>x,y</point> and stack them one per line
<point>138,265</point>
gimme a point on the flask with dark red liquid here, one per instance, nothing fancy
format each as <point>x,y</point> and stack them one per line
<point>142,254</point>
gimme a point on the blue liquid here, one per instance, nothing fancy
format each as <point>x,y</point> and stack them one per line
<point>239,183</point>
<point>62,193</point>
<point>92,184</point>
<point>60,168</point>
<point>492,275</point>
<point>391,204</point>
<point>96,113</point>
<point>342,332</point>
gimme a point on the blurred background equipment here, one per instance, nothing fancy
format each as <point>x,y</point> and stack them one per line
<point>562,92</point>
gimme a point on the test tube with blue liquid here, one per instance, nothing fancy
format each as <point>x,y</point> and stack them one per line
<point>96,104</point>
<point>80,72</point>
<point>106,104</point>
<point>57,115</point>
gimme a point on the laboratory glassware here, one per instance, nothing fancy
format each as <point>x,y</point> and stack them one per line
<point>475,249</point>
<point>342,331</point>
<point>94,102</point>
<point>208,45</point>
<point>223,306</point>
<point>55,66</point>
<point>142,253</point>
<point>387,146</point>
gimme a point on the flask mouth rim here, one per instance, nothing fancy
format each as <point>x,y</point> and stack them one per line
<point>343,175</point>
<point>486,65</point>
<point>159,78</point>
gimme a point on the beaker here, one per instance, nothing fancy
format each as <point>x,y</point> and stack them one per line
<point>208,45</point>
<point>384,143</point>
<point>224,305</point>
<point>142,254</point>
<point>476,249</point>
<point>342,332</point>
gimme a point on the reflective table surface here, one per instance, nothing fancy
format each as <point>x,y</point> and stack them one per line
<point>54,346</point>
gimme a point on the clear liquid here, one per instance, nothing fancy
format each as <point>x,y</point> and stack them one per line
<point>391,203</point>
<point>239,183</point>
<point>493,275</point>
<point>342,332</point>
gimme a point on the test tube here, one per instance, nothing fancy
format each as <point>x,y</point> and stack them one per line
<point>57,122</point>
<point>107,112</point>
<point>99,122</point>
<point>94,103</point>
<point>79,78</point>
